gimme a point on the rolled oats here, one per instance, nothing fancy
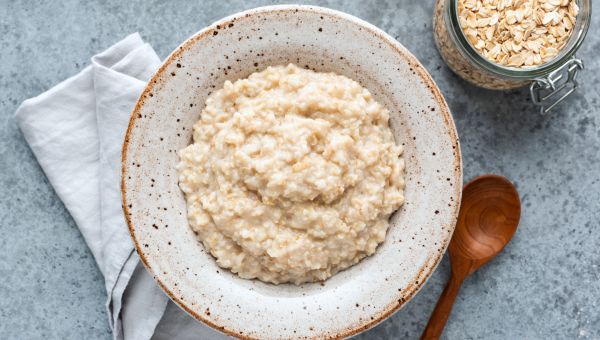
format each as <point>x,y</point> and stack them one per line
<point>513,33</point>
<point>519,33</point>
<point>459,63</point>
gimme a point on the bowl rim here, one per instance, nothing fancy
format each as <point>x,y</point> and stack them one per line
<point>429,266</point>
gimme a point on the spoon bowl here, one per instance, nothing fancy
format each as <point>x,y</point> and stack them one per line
<point>488,218</point>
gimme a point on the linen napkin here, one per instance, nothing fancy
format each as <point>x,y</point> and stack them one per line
<point>76,131</point>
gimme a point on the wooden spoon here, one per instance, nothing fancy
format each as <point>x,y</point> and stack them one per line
<point>488,218</point>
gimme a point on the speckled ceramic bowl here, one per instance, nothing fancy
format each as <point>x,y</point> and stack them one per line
<point>323,40</point>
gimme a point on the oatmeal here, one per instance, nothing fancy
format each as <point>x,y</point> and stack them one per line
<point>292,175</point>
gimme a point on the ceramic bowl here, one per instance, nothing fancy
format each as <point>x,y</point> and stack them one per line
<point>323,40</point>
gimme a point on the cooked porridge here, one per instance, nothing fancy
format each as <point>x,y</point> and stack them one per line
<point>292,175</point>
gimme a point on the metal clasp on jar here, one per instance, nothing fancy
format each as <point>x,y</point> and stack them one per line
<point>545,91</point>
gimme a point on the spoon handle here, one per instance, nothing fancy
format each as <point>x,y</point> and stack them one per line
<point>440,314</point>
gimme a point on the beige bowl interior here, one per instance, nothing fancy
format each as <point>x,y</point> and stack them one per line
<point>322,40</point>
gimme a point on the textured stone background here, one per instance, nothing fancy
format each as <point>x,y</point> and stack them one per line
<point>546,284</point>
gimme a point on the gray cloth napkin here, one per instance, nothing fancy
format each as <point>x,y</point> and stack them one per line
<point>76,131</point>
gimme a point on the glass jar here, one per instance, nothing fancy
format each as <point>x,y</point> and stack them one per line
<point>550,83</point>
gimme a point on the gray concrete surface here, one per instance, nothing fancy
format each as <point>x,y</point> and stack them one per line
<point>546,285</point>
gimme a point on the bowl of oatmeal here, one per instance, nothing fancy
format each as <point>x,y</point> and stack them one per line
<point>291,171</point>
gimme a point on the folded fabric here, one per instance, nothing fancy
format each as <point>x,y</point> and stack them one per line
<point>76,131</point>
